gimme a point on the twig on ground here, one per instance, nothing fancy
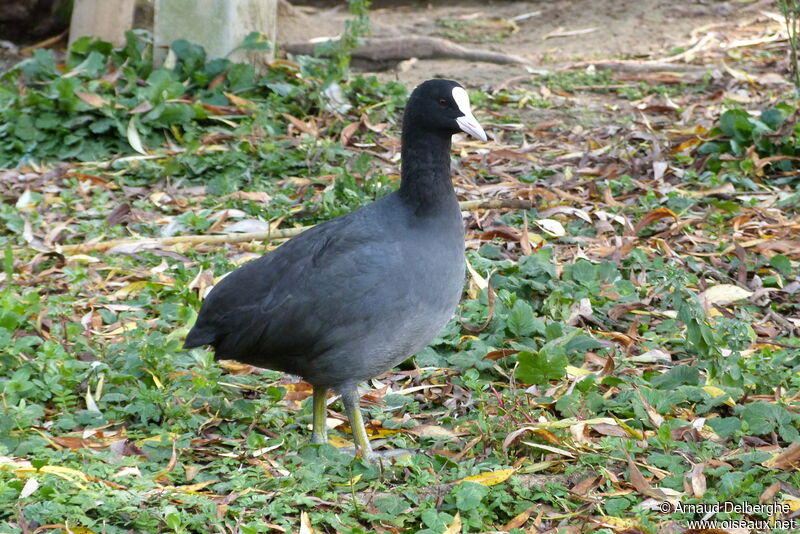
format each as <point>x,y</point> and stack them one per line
<point>625,65</point>
<point>401,48</point>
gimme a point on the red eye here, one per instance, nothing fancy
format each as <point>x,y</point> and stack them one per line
<point>443,102</point>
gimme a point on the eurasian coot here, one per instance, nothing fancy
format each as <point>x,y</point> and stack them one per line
<point>351,298</point>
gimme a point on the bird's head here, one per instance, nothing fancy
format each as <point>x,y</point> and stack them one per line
<point>442,106</point>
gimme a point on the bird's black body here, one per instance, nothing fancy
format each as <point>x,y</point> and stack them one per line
<point>352,297</point>
<point>343,301</point>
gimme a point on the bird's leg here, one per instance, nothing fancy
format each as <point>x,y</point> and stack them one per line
<point>350,400</point>
<point>319,432</point>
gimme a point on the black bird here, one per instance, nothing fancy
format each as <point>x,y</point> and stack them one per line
<point>351,298</point>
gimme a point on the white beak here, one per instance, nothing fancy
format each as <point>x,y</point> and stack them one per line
<point>467,122</point>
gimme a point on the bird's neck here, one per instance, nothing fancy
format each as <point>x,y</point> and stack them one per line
<point>425,174</point>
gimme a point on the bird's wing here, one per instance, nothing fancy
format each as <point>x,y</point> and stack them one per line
<point>290,301</point>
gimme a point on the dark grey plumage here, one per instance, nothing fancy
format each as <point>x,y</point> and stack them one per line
<point>350,298</point>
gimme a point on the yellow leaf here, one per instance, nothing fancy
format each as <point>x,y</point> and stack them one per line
<point>290,387</point>
<point>157,382</point>
<point>127,326</point>
<point>241,102</point>
<point>477,282</point>
<point>574,372</point>
<point>793,502</point>
<point>632,432</point>
<point>130,289</point>
<point>620,523</point>
<point>455,526</point>
<point>490,478</point>
<point>305,524</point>
<point>172,436</point>
<point>57,469</point>
<point>81,258</point>
<point>66,473</point>
<point>551,227</point>
<point>160,198</point>
<point>353,481</point>
<point>192,488</point>
<point>432,431</point>
<point>133,137</point>
<point>26,201</point>
<point>548,448</point>
<point>378,433</point>
<point>715,392</point>
<point>339,442</point>
<point>723,294</point>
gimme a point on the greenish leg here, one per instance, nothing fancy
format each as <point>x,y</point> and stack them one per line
<point>350,400</point>
<point>319,432</point>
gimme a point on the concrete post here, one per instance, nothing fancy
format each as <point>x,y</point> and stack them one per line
<point>107,19</point>
<point>219,26</point>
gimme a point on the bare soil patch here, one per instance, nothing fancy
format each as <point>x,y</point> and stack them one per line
<point>546,33</point>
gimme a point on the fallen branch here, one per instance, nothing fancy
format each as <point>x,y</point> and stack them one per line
<point>133,245</point>
<point>401,48</point>
<point>624,65</point>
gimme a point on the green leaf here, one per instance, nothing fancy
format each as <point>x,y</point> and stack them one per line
<point>711,147</point>
<point>617,506</point>
<point>256,41</point>
<point>553,331</point>
<point>560,342</point>
<point>170,113</point>
<point>521,321</point>
<point>735,123</point>
<point>677,376</point>
<point>88,44</point>
<point>726,427</point>
<point>68,101</point>
<point>760,417</point>
<point>581,343</point>
<point>583,271</point>
<point>25,129</point>
<point>469,495</point>
<point>47,121</point>
<point>391,504</point>
<point>161,86</point>
<point>38,464</point>
<point>92,67</point>
<point>188,52</point>
<point>773,117</point>
<point>539,368</point>
<point>101,126</point>
<point>789,432</point>
<point>173,521</point>
<point>781,263</point>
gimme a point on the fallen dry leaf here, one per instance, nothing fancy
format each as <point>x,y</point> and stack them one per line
<point>723,294</point>
<point>787,459</point>
<point>652,216</point>
<point>490,478</point>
